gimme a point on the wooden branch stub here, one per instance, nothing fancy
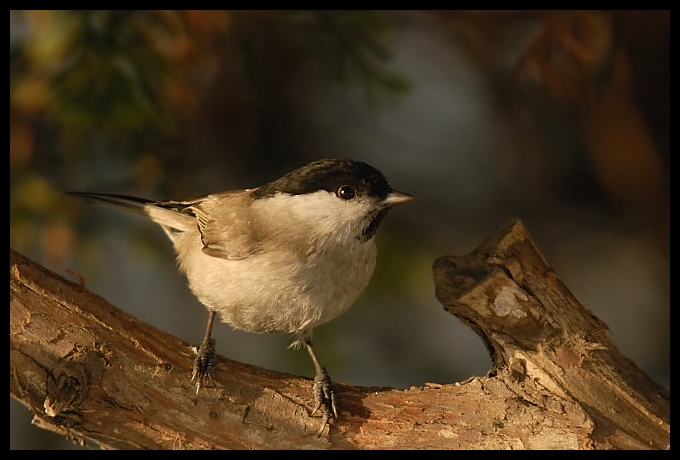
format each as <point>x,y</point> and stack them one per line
<point>536,331</point>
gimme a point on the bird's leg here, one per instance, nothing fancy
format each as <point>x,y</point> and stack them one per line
<point>323,389</point>
<point>204,364</point>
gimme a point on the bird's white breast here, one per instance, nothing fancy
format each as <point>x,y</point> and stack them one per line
<point>306,278</point>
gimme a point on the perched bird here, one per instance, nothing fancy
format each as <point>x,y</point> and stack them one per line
<point>284,257</point>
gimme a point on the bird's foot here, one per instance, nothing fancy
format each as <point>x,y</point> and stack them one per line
<point>324,396</point>
<point>204,364</point>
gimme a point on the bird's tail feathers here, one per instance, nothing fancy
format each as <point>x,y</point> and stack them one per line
<point>167,214</point>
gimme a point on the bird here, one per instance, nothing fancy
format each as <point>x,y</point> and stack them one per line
<point>281,258</point>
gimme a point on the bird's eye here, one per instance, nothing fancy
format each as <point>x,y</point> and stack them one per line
<point>346,192</point>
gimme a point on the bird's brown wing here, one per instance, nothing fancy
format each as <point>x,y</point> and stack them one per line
<point>224,222</point>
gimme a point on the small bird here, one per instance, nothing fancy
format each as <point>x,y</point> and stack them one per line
<point>284,257</point>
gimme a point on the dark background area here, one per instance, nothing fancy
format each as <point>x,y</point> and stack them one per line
<point>559,118</point>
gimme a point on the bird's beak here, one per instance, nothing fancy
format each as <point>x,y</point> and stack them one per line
<point>395,198</point>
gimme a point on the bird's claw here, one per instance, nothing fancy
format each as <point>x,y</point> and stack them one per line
<point>324,396</point>
<point>204,364</point>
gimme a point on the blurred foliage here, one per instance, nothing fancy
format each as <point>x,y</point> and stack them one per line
<point>90,72</point>
<point>565,55</point>
<point>571,72</point>
<point>347,47</point>
<point>572,55</point>
<point>127,73</point>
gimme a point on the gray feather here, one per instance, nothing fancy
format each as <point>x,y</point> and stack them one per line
<point>168,214</point>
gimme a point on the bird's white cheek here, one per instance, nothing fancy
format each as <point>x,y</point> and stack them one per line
<point>320,212</point>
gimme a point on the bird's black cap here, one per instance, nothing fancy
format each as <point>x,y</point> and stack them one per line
<point>329,175</point>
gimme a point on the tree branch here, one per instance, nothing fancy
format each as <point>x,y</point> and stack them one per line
<point>96,374</point>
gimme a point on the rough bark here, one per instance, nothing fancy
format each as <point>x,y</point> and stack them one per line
<point>96,374</point>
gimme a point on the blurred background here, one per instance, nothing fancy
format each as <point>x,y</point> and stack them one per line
<point>559,118</point>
